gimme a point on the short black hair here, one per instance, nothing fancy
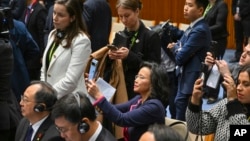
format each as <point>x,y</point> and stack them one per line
<point>68,107</point>
<point>163,132</point>
<point>47,94</point>
<point>202,3</point>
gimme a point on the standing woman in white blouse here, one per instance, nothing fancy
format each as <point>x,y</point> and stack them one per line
<point>68,49</point>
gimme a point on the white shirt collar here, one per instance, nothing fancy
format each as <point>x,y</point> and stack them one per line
<point>36,126</point>
<point>196,21</point>
<point>97,132</point>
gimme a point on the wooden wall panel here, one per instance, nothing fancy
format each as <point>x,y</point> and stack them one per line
<point>162,10</point>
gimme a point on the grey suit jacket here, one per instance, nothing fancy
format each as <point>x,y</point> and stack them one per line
<point>46,132</point>
<point>105,135</point>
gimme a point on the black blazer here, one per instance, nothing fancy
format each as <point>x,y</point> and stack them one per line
<point>146,47</point>
<point>46,132</point>
<point>36,23</point>
<point>217,20</point>
<point>245,10</point>
<point>97,15</point>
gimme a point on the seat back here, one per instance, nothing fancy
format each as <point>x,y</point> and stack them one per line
<point>179,126</point>
<point>148,23</point>
<point>183,26</point>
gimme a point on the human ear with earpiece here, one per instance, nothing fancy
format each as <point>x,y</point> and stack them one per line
<point>40,107</point>
<point>83,127</point>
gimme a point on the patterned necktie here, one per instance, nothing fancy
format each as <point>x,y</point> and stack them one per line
<point>188,30</point>
<point>29,133</point>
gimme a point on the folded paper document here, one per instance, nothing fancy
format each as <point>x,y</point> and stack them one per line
<point>107,90</point>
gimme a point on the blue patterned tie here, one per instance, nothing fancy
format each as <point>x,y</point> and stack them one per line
<point>29,133</point>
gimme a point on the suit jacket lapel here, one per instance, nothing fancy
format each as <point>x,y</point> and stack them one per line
<point>42,129</point>
<point>57,53</point>
<point>25,128</point>
<point>32,10</point>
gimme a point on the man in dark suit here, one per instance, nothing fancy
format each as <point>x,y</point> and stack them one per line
<point>98,18</point>
<point>36,105</point>
<point>25,53</point>
<point>75,118</point>
<point>34,18</point>
<point>190,52</point>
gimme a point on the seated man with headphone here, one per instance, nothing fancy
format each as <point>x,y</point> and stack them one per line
<point>36,105</point>
<point>75,119</point>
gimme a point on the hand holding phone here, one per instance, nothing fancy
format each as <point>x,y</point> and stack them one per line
<point>112,47</point>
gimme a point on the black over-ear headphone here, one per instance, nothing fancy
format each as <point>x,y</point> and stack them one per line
<point>83,127</point>
<point>39,107</point>
<point>60,34</point>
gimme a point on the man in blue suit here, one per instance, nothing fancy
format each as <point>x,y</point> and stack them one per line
<point>25,52</point>
<point>190,52</point>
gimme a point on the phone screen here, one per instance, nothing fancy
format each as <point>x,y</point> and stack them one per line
<point>93,68</point>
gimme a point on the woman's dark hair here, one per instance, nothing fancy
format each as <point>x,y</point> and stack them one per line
<point>163,132</point>
<point>245,68</point>
<point>129,4</point>
<point>159,82</point>
<point>68,107</point>
<point>74,8</point>
<point>47,94</point>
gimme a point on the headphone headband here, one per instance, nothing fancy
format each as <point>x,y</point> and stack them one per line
<point>77,97</point>
<point>83,127</point>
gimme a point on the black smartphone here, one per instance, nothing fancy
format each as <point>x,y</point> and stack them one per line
<point>203,69</point>
<point>112,47</point>
<point>214,49</point>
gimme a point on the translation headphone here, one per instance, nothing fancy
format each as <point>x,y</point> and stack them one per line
<point>39,107</point>
<point>60,34</point>
<point>83,127</point>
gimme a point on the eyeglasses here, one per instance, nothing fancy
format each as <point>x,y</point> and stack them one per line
<point>140,77</point>
<point>63,129</point>
<point>25,100</point>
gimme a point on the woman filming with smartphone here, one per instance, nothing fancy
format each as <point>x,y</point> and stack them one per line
<point>143,44</point>
<point>232,110</point>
